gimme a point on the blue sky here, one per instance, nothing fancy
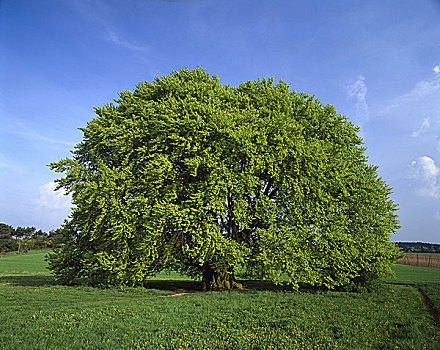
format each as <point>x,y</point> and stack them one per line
<point>378,62</point>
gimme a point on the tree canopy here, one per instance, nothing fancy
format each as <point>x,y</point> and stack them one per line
<point>187,173</point>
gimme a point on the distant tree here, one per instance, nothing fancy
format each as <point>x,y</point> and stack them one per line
<point>39,240</point>
<point>7,243</point>
<point>55,238</point>
<point>186,173</point>
<point>419,247</point>
<point>23,236</point>
<point>24,232</point>
<point>6,231</point>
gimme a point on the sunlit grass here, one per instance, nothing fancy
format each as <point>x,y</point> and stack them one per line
<point>32,262</point>
<point>85,317</point>
<point>35,313</point>
<point>413,274</point>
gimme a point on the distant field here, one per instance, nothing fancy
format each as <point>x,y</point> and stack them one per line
<point>421,260</point>
<point>413,274</point>
<point>35,313</point>
<point>32,262</point>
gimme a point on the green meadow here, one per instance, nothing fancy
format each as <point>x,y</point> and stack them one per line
<point>411,274</point>
<point>36,313</point>
<point>32,262</point>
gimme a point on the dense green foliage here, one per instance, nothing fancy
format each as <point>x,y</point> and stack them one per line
<point>187,173</point>
<point>419,247</point>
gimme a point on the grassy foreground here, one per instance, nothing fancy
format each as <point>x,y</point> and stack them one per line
<point>37,314</point>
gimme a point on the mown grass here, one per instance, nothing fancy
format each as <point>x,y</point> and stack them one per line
<point>412,274</point>
<point>31,262</point>
<point>35,313</point>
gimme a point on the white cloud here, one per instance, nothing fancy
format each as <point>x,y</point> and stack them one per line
<point>26,132</point>
<point>426,177</point>
<point>358,90</point>
<point>422,89</point>
<point>437,215</point>
<point>8,166</point>
<point>51,199</point>
<point>11,166</point>
<point>103,15</point>
<point>426,125</point>
<point>436,69</point>
<point>115,38</point>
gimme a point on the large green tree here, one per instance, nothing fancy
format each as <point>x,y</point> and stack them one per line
<point>187,173</point>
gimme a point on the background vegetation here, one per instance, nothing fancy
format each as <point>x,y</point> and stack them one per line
<point>418,247</point>
<point>23,239</point>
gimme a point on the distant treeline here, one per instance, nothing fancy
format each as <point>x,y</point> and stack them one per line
<point>22,239</point>
<point>419,247</point>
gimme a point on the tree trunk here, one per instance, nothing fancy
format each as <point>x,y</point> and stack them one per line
<point>218,280</point>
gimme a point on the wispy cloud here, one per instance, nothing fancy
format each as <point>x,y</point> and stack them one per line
<point>24,131</point>
<point>102,14</point>
<point>38,137</point>
<point>425,127</point>
<point>51,199</point>
<point>115,39</point>
<point>423,88</point>
<point>358,90</point>
<point>11,166</point>
<point>425,175</point>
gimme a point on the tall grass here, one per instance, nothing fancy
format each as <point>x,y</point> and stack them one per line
<point>421,260</point>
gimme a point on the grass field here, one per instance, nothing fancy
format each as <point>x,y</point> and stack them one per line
<point>32,262</point>
<point>411,274</point>
<point>35,313</point>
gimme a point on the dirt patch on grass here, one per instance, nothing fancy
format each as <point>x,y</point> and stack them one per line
<point>430,307</point>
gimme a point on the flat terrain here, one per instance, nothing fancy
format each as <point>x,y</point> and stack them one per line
<point>411,274</point>
<point>35,313</point>
<point>32,262</point>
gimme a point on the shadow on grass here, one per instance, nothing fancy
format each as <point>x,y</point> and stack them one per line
<point>173,285</point>
<point>189,286</point>
<point>27,280</point>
